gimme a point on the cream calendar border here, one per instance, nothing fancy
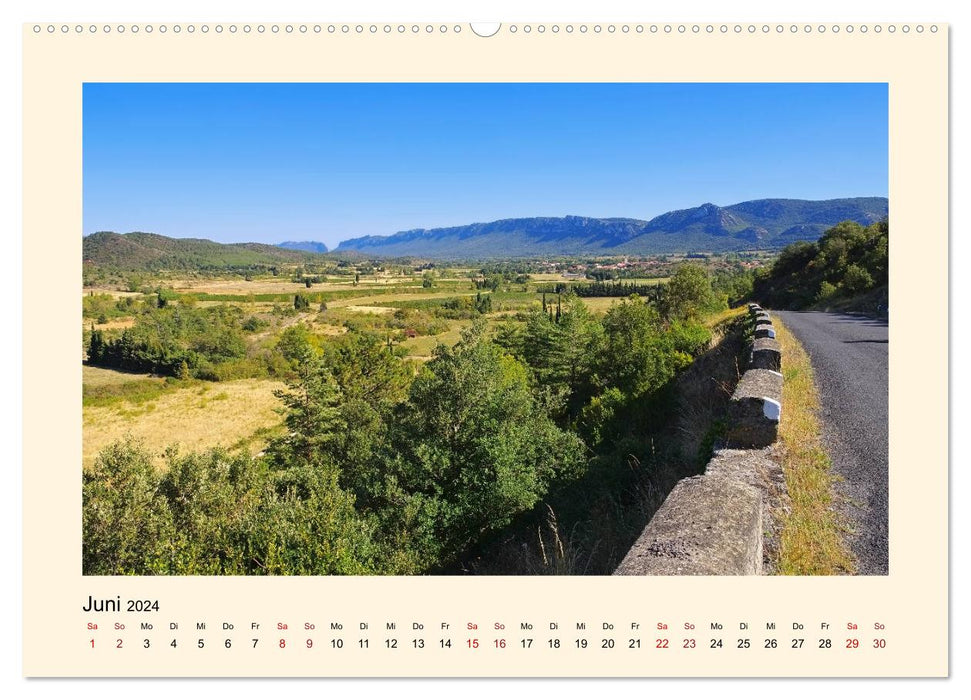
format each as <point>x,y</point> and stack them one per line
<point>912,599</point>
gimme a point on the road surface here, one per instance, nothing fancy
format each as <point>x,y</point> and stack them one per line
<point>849,355</point>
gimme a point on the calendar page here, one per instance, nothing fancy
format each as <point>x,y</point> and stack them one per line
<point>485,350</point>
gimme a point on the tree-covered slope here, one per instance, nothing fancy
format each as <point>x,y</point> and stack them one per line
<point>849,262</point>
<point>150,251</point>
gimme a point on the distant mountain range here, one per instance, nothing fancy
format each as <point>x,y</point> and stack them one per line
<point>759,224</point>
<point>309,246</point>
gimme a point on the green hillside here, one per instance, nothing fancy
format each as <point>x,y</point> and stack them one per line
<point>152,252</point>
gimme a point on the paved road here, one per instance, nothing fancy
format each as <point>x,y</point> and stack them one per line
<point>849,358</point>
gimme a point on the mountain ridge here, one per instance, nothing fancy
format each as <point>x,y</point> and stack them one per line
<point>308,246</point>
<point>761,224</point>
<point>765,224</point>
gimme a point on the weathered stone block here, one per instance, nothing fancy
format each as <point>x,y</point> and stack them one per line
<point>755,409</point>
<point>766,354</point>
<point>756,468</point>
<point>764,330</point>
<point>762,317</point>
<point>707,526</point>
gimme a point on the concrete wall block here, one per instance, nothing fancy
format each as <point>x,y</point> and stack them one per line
<point>764,330</point>
<point>755,409</point>
<point>766,354</point>
<point>757,468</point>
<point>706,527</point>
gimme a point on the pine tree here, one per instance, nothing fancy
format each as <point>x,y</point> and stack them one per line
<point>313,422</point>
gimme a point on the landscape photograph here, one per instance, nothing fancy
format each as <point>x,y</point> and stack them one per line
<point>466,329</point>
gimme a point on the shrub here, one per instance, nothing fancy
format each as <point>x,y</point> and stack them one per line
<point>126,525</point>
<point>856,280</point>
<point>826,291</point>
<point>212,513</point>
<point>254,324</point>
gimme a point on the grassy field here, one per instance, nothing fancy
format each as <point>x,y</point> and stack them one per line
<point>385,299</point>
<point>812,541</point>
<point>370,309</point>
<point>600,305</point>
<point>421,348</point>
<point>98,377</point>
<point>116,293</point>
<point>553,277</point>
<point>114,324</point>
<point>200,415</point>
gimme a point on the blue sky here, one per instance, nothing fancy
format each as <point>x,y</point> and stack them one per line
<point>326,162</point>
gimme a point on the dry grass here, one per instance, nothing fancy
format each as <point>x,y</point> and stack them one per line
<point>197,417</point>
<point>327,329</point>
<point>116,293</point>
<point>98,376</point>
<point>379,299</point>
<point>374,310</point>
<point>244,288</point>
<point>812,540</point>
<point>719,320</point>
<point>553,277</point>
<point>287,286</point>
<point>113,324</point>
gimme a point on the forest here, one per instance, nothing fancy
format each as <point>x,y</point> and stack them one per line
<point>846,268</point>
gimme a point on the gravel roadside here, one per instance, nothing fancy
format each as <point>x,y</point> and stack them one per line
<point>849,354</point>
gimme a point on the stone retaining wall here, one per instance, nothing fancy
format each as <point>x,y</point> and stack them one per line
<point>712,525</point>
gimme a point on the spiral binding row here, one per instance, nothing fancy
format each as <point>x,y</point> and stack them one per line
<point>520,29</point>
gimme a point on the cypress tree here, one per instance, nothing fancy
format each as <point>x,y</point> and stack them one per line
<point>96,347</point>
